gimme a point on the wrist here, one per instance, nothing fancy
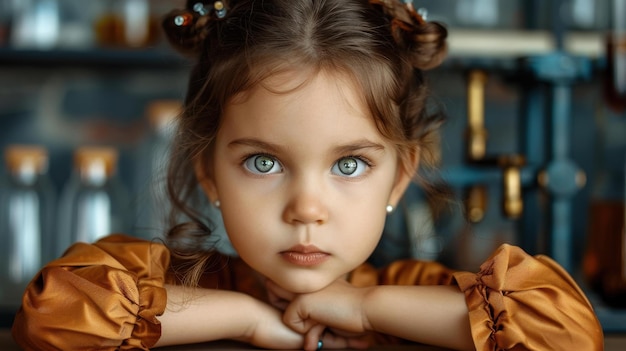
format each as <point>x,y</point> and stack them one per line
<point>368,305</point>
<point>250,318</point>
<point>201,315</point>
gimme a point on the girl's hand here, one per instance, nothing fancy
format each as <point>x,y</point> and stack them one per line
<point>426,314</point>
<point>338,307</point>
<point>269,331</point>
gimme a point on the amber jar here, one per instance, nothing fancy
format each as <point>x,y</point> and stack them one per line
<point>127,24</point>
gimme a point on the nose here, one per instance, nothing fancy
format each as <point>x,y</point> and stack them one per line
<point>305,206</point>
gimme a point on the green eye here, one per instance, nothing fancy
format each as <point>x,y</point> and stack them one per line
<point>347,165</point>
<point>262,164</point>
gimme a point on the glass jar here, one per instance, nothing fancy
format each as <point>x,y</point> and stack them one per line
<point>27,203</point>
<point>94,202</point>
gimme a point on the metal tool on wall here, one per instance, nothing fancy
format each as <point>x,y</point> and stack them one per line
<point>476,155</point>
<point>548,82</point>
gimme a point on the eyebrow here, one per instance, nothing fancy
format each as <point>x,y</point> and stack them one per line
<point>358,145</point>
<point>255,143</point>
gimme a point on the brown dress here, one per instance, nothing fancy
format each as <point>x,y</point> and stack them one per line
<point>108,296</point>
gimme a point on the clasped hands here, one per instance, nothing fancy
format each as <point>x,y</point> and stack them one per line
<point>334,315</point>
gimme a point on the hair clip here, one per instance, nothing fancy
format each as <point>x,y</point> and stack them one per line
<point>199,8</point>
<point>183,20</point>
<point>220,10</point>
<point>218,7</point>
<point>423,12</point>
<point>419,15</point>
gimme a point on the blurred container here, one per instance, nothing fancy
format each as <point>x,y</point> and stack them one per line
<point>27,203</point>
<point>5,22</point>
<point>35,24</point>
<point>76,23</point>
<point>94,203</point>
<point>152,159</point>
<point>127,23</point>
<point>604,263</point>
<point>480,13</point>
<point>615,82</point>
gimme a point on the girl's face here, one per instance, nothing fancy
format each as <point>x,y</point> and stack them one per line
<point>303,177</point>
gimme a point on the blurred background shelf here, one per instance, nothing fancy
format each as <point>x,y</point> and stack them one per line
<point>93,59</point>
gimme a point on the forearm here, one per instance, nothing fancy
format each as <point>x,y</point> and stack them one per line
<point>435,315</point>
<point>200,315</point>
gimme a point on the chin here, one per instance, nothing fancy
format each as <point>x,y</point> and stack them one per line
<point>302,285</point>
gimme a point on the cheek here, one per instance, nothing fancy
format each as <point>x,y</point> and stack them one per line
<point>242,239</point>
<point>247,223</point>
<point>366,220</point>
<point>237,222</point>
<point>360,232</point>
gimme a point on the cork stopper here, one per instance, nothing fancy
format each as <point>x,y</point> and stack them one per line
<point>161,113</point>
<point>26,157</point>
<point>96,159</point>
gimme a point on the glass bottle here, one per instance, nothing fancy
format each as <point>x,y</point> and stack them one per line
<point>26,218</point>
<point>94,202</point>
<point>615,82</point>
<point>153,155</point>
<point>35,24</point>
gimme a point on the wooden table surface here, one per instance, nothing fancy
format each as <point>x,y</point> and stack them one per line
<point>243,347</point>
<point>7,344</point>
<point>613,342</point>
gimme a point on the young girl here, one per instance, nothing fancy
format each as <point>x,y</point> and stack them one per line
<point>304,123</point>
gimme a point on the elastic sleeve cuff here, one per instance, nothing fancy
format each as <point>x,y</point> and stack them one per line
<point>517,301</point>
<point>104,296</point>
<point>147,329</point>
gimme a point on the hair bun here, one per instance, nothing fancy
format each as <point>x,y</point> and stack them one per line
<point>424,42</point>
<point>185,30</point>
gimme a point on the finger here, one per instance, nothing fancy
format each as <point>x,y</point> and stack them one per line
<point>347,334</point>
<point>296,323</point>
<point>297,318</point>
<point>320,336</point>
<point>313,339</point>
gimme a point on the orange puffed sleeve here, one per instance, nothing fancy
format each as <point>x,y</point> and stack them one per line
<point>104,296</point>
<point>521,302</point>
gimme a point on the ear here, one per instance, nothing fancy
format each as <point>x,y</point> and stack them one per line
<point>206,181</point>
<point>404,177</point>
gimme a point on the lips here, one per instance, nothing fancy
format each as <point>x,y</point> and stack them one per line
<point>306,256</point>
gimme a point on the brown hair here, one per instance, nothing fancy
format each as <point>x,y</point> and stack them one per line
<point>381,44</point>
